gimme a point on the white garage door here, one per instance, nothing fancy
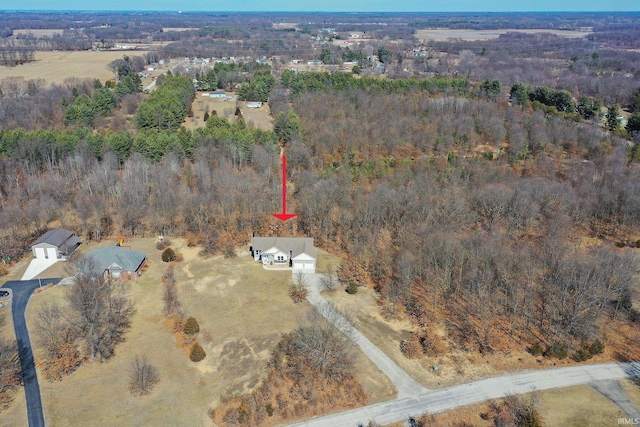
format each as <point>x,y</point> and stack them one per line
<point>51,253</point>
<point>304,266</point>
<point>40,254</point>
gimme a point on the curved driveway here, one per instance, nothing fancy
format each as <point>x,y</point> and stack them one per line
<point>22,290</point>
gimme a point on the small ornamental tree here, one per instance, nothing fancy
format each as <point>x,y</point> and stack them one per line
<point>197,353</point>
<point>191,326</point>
<point>142,376</point>
<point>168,255</point>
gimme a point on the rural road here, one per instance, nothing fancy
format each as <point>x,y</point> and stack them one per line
<point>22,290</point>
<point>479,391</point>
<point>405,385</point>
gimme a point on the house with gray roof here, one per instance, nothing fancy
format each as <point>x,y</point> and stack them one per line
<point>55,244</point>
<point>117,263</point>
<point>297,253</point>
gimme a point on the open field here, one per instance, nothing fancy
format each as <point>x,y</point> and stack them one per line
<point>56,67</point>
<point>37,33</point>
<point>258,117</point>
<point>444,34</point>
<point>242,312</point>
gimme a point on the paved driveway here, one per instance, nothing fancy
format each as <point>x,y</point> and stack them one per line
<point>405,385</point>
<point>22,290</point>
<point>37,266</point>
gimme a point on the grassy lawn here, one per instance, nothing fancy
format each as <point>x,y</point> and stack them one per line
<point>242,310</point>
<point>578,406</point>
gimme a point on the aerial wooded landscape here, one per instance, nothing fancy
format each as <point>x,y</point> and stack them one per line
<point>466,191</point>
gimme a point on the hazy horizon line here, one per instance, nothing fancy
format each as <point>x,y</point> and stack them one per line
<point>316,11</point>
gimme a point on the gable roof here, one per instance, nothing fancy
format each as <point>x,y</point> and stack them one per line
<point>59,237</point>
<point>297,245</point>
<point>108,257</point>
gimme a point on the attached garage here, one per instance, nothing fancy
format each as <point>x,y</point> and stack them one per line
<point>304,263</point>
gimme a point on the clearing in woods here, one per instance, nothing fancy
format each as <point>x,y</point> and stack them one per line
<point>56,67</point>
<point>254,117</point>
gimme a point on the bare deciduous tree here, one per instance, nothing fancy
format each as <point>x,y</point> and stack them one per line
<point>10,372</point>
<point>100,312</point>
<point>324,342</point>
<point>143,376</point>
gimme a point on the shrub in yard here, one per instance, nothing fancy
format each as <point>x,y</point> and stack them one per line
<point>536,349</point>
<point>352,288</point>
<point>596,347</point>
<point>581,355</point>
<point>61,360</point>
<point>411,347</point>
<point>191,326</point>
<point>557,350</point>
<point>298,293</point>
<point>197,352</point>
<point>168,255</point>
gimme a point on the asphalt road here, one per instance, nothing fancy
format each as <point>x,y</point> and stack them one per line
<point>479,391</point>
<point>22,290</point>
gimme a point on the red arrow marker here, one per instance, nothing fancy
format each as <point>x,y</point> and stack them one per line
<point>284,215</point>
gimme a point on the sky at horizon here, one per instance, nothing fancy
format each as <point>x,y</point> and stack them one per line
<point>328,5</point>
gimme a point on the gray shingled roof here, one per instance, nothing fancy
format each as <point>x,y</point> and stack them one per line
<point>126,258</point>
<point>58,237</point>
<point>296,245</point>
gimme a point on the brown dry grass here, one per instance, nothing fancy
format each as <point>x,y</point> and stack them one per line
<point>259,117</point>
<point>632,390</point>
<point>579,406</point>
<point>56,67</point>
<point>242,312</point>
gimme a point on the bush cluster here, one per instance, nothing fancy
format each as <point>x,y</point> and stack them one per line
<point>168,255</point>
<point>191,326</point>
<point>197,353</point>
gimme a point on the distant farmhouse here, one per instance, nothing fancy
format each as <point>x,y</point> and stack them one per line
<point>118,263</point>
<point>55,244</point>
<point>298,253</point>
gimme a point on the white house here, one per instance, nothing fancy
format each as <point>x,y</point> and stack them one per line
<point>254,105</point>
<point>297,253</point>
<point>55,244</point>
